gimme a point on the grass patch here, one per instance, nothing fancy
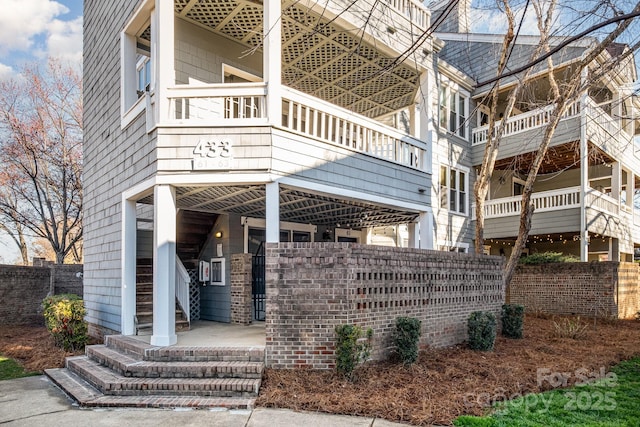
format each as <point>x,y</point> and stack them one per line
<point>10,369</point>
<point>611,400</point>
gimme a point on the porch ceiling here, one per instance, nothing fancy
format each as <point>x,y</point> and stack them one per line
<point>295,206</point>
<point>318,57</point>
<point>558,158</point>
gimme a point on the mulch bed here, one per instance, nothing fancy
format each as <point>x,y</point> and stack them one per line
<point>446,383</point>
<point>442,385</point>
<point>32,346</point>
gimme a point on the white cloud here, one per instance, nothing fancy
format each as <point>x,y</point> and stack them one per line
<point>64,40</point>
<point>495,22</point>
<point>22,20</point>
<point>6,72</point>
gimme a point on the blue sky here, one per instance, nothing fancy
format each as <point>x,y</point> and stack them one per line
<point>32,30</point>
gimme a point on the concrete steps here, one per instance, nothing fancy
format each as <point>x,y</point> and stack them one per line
<point>128,372</point>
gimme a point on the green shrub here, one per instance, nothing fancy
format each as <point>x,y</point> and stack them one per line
<point>406,337</point>
<point>547,258</point>
<point>482,330</point>
<point>512,320</point>
<point>64,318</point>
<point>352,348</point>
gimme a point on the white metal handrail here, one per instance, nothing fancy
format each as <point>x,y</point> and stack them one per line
<point>182,288</point>
<point>524,122</point>
<point>319,119</point>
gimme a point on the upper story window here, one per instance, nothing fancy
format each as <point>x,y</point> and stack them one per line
<point>453,189</point>
<point>144,75</point>
<point>136,63</point>
<point>454,110</point>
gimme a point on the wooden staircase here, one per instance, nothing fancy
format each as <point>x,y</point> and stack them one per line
<point>193,231</point>
<point>126,372</point>
<point>144,300</point>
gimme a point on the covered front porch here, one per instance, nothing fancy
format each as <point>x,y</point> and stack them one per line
<point>245,214</point>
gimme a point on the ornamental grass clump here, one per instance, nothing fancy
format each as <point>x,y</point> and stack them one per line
<point>64,318</point>
<point>406,338</point>
<point>482,330</point>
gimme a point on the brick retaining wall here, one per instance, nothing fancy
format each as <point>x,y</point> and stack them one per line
<point>313,287</point>
<point>603,289</point>
<point>22,289</point>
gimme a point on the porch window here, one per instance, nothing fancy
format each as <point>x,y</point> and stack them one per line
<point>454,108</point>
<point>453,189</point>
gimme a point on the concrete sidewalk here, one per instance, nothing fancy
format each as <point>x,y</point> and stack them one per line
<point>35,401</point>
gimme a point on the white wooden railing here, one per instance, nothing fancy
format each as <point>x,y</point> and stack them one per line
<point>182,288</point>
<point>209,102</point>
<point>596,115</point>
<point>245,103</point>
<point>413,10</point>
<point>524,122</point>
<point>315,118</point>
<point>544,201</point>
<point>602,202</point>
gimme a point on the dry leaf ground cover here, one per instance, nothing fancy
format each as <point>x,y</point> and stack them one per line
<point>447,383</point>
<point>442,385</point>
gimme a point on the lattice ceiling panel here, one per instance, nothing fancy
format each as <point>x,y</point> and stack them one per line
<point>319,57</point>
<point>247,20</point>
<point>211,12</point>
<point>295,205</point>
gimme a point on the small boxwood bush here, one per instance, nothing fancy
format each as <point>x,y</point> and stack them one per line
<point>406,337</point>
<point>512,320</point>
<point>64,318</point>
<point>352,348</point>
<point>482,330</point>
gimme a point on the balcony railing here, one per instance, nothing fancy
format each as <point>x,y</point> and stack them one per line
<point>204,103</point>
<point>524,122</point>
<point>315,118</point>
<point>596,115</point>
<point>415,11</point>
<point>245,104</point>
<point>544,201</point>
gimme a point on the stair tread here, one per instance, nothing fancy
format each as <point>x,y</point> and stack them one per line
<point>88,396</point>
<point>107,380</point>
<point>126,363</point>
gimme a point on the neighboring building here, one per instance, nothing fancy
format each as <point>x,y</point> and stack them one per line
<point>585,192</point>
<point>214,125</point>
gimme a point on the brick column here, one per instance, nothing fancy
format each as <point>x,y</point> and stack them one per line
<point>241,289</point>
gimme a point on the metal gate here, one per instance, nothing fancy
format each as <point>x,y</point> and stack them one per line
<point>258,289</point>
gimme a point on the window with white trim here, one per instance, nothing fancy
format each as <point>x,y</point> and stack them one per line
<point>453,189</point>
<point>136,63</point>
<point>454,110</point>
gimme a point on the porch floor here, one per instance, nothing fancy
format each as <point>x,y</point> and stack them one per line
<point>215,334</point>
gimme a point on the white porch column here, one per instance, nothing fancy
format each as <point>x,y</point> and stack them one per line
<point>164,266</point>
<point>414,235</point>
<point>584,178</point>
<point>128,267</point>
<point>616,179</point>
<point>272,59</point>
<point>426,230</point>
<point>272,233</point>
<point>630,184</point>
<point>162,44</point>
